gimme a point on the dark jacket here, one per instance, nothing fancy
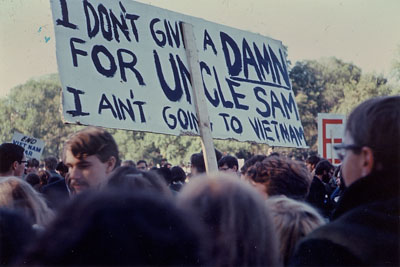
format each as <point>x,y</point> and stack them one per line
<point>56,194</point>
<point>365,228</point>
<point>318,197</point>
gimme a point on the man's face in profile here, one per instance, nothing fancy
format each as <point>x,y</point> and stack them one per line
<point>88,172</point>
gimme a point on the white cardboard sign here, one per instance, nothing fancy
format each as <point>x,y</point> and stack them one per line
<point>33,146</point>
<point>122,64</point>
<point>330,132</point>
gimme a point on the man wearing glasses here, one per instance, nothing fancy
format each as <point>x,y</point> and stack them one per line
<point>365,227</point>
<point>12,160</point>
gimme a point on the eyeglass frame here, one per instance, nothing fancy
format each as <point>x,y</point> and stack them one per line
<point>341,147</point>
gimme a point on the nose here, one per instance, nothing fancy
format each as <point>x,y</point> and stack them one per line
<point>74,173</point>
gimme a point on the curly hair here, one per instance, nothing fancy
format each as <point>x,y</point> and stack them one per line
<point>281,176</point>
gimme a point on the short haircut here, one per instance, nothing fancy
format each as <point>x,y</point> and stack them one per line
<point>323,165</point>
<point>313,160</point>
<point>33,163</point>
<point>131,179</point>
<point>120,229</point>
<point>375,123</point>
<point>178,174</point>
<point>293,220</point>
<point>141,161</point>
<point>281,176</point>
<point>251,161</point>
<point>9,153</point>
<point>92,141</point>
<point>61,167</point>
<point>128,162</point>
<point>236,217</point>
<point>197,161</point>
<point>229,160</point>
<point>51,163</point>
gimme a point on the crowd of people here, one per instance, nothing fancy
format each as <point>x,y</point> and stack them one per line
<point>91,208</point>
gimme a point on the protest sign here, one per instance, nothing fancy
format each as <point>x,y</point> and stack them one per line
<point>330,132</point>
<point>123,64</point>
<point>33,146</point>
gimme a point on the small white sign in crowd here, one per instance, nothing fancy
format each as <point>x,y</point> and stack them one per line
<point>33,146</point>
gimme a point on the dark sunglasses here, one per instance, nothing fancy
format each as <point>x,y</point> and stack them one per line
<point>342,148</point>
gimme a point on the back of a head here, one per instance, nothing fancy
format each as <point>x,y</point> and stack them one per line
<point>9,153</point>
<point>130,179</point>
<point>229,160</point>
<point>120,228</point>
<point>178,174</point>
<point>32,179</point>
<point>18,195</point>
<point>51,163</point>
<point>251,161</point>
<point>237,219</point>
<point>293,220</point>
<point>376,124</point>
<point>281,176</point>
<point>16,233</point>
<point>323,165</point>
<point>33,163</point>
<point>313,160</point>
<point>92,141</point>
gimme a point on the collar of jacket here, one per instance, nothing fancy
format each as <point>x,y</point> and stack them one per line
<point>377,186</point>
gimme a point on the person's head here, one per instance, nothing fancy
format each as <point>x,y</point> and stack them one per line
<point>324,170</point>
<point>293,220</point>
<point>19,195</point>
<point>236,218</point>
<point>163,162</point>
<point>33,179</point>
<point>44,177</point>
<point>32,166</point>
<point>91,155</point>
<point>228,164</point>
<point>128,163</point>
<point>121,229</point>
<point>250,162</point>
<point>311,162</point>
<point>12,160</point>
<point>50,163</point>
<point>62,169</point>
<point>178,174</point>
<point>280,176</point>
<point>197,165</point>
<point>372,139</point>
<point>16,233</point>
<point>142,165</point>
<point>131,179</point>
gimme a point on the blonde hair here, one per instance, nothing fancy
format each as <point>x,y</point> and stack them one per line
<point>293,220</point>
<point>16,194</point>
<point>237,220</point>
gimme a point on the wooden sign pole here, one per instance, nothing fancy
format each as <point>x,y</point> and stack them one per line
<point>207,144</point>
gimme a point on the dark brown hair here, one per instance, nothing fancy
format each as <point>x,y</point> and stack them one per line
<point>375,123</point>
<point>282,176</point>
<point>92,141</point>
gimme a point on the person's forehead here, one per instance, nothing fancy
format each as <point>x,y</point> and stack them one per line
<point>71,159</point>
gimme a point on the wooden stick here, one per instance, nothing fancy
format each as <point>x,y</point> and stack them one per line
<point>207,144</point>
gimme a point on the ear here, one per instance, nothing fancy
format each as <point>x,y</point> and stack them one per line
<point>367,163</point>
<point>14,165</point>
<point>111,164</point>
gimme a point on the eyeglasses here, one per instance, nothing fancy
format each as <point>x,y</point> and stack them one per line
<point>342,148</point>
<point>23,161</point>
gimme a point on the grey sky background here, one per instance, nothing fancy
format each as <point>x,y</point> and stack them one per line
<point>364,32</point>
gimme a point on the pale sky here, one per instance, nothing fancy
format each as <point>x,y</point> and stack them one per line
<point>364,32</point>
